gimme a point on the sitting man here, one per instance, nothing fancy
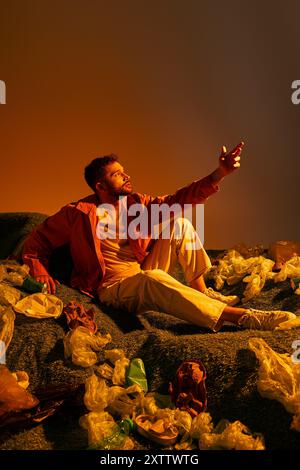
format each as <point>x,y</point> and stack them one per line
<point>132,272</point>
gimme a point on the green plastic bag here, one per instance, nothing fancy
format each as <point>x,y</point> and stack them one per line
<point>136,374</point>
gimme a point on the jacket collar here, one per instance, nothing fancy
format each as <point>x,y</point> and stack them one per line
<point>91,202</point>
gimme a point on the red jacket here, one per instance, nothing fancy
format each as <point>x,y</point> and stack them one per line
<point>75,224</point>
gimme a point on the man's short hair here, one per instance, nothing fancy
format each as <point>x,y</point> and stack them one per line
<point>94,171</point>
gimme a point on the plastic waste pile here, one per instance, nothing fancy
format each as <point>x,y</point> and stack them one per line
<point>117,412</point>
<point>255,271</point>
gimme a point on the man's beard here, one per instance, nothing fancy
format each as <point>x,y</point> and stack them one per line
<point>125,189</point>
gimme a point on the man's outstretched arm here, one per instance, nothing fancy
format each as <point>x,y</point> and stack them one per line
<point>198,191</point>
<point>39,245</point>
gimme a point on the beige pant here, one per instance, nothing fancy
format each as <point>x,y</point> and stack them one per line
<point>154,289</point>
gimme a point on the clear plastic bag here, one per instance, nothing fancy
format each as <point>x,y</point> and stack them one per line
<point>81,343</point>
<point>40,305</point>
<point>9,296</point>
<point>278,378</point>
<point>231,436</point>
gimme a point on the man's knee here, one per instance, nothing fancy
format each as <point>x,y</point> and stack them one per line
<point>182,226</point>
<point>153,274</point>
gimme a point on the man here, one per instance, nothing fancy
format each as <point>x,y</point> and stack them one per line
<point>130,270</point>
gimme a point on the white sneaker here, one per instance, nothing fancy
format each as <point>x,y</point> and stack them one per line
<point>226,299</point>
<point>264,320</point>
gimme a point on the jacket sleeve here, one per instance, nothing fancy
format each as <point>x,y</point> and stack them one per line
<point>39,245</point>
<point>195,193</point>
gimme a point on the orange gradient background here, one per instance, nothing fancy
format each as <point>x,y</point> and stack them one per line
<point>163,84</point>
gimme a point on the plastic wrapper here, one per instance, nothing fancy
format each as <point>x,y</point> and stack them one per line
<point>99,424</point>
<point>118,400</point>
<point>13,272</point>
<point>40,305</point>
<point>257,279</point>
<point>114,355</point>
<point>7,322</point>
<point>96,393</point>
<point>146,405</point>
<point>186,443</point>
<point>118,359</point>
<point>201,424</point>
<point>13,397</point>
<point>136,374</point>
<point>231,436</point>
<point>9,295</point>
<point>182,420</point>
<point>116,440</point>
<point>105,371</point>
<point>80,344</point>
<point>124,401</point>
<point>119,373</point>
<point>278,377</point>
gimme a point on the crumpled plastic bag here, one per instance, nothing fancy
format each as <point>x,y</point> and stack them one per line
<point>13,397</point>
<point>81,344</point>
<point>105,371</point>
<point>40,305</point>
<point>278,378</point>
<point>231,436</point>
<point>182,420</point>
<point>7,322</point>
<point>257,279</point>
<point>13,273</point>
<point>136,374</point>
<point>99,396</point>
<point>96,394</point>
<point>99,424</point>
<point>9,295</point>
<point>104,433</point>
<point>151,403</point>
<point>123,401</point>
<point>121,363</point>
<point>201,424</point>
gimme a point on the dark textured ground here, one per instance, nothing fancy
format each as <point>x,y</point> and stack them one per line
<point>163,342</point>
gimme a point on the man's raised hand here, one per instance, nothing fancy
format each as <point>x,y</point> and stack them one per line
<point>229,162</point>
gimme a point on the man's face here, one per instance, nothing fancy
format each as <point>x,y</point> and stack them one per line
<point>116,181</point>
